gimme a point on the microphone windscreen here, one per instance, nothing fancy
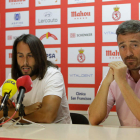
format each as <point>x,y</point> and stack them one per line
<point>26,82</point>
<point>9,85</point>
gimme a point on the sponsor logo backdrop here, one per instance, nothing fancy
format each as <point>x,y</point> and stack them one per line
<point>16,4</point>
<point>11,35</point>
<point>78,35</point>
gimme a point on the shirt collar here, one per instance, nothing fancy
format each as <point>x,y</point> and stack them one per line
<point>128,73</point>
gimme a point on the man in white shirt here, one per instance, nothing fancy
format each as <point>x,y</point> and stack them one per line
<point>46,102</point>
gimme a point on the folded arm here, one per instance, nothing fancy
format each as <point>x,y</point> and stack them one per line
<point>47,113</point>
<point>44,112</point>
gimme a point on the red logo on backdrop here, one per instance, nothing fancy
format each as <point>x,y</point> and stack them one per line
<point>72,35</point>
<point>81,56</point>
<point>39,2</point>
<point>113,54</point>
<point>9,37</point>
<point>80,15</point>
<point>10,55</point>
<point>116,14</point>
<point>17,0</point>
<point>47,35</point>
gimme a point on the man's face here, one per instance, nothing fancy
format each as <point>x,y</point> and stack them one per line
<point>25,60</point>
<point>129,47</point>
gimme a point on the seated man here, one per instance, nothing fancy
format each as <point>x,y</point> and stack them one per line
<point>122,82</point>
<point>46,102</point>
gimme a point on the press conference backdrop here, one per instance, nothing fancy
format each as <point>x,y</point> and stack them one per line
<point>78,35</point>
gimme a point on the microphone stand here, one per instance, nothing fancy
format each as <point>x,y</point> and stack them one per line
<point>21,114</point>
<point>5,112</point>
<point>20,108</point>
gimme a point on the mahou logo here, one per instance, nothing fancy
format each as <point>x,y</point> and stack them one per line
<point>47,35</point>
<point>110,53</point>
<point>17,0</point>
<point>113,54</point>
<point>16,4</point>
<point>80,15</point>
<point>116,14</point>
<point>81,56</point>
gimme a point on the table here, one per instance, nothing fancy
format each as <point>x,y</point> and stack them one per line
<point>69,132</point>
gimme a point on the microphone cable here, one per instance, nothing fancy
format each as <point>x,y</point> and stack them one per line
<point>9,118</point>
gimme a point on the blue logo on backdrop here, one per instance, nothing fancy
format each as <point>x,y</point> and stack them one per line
<point>109,33</point>
<point>81,75</point>
<point>17,22</point>
<point>80,1</point>
<point>51,55</point>
<point>17,16</point>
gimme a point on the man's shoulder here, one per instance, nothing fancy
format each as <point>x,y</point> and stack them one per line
<point>52,70</point>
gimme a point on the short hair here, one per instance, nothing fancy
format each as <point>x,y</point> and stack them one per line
<point>38,52</point>
<point>130,26</point>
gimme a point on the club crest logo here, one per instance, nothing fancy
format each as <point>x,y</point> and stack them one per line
<point>116,14</point>
<point>81,56</point>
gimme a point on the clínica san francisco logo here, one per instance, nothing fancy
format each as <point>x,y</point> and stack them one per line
<point>116,14</point>
<point>81,56</point>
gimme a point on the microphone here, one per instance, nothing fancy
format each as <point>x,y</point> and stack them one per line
<point>9,88</point>
<point>24,84</point>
